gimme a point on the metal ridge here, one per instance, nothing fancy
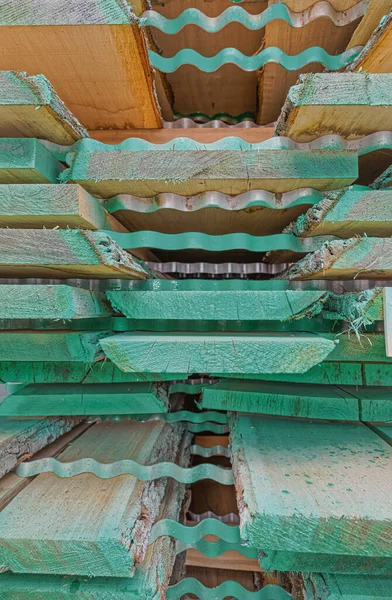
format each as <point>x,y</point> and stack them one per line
<point>232,518</point>
<point>194,533</point>
<point>226,589</point>
<point>209,453</point>
<point>126,467</point>
<point>214,549</point>
<point>209,64</point>
<point>237,14</point>
<point>218,268</point>
<point>188,123</point>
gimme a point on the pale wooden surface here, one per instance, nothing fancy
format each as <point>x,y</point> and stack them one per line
<point>376,56</point>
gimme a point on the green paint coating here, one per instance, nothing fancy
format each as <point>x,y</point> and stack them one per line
<point>291,400</point>
<point>352,517</point>
<point>218,305</point>
<point>86,399</point>
<point>26,160</point>
<point>25,346</point>
<point>375,403</point>
<point>188,56</point>
<point>225,589</point>
<point>326,373</point>
<point>217,353</point>
<point>347,587</point>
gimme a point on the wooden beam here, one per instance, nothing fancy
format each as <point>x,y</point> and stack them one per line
<point>308,486</point>
<point>27,161</point>
<point>348,213</point>
<point>348,587</point>
<point>52,347</point>
<point>375,404</point>
<point>67,206</point>
<point>105,523</point>
<point>30,107</point>
<point>86,399</point>
<point>24,437</point>
<point>362,258</point>
<point>376,55</point>
<point>224,353</point>
<point>371,19</point>
<point>95,58</point>
<point>352,105</point>
<point>287,400</point>
<point>64,253</point>
<point>227,560</point>
<point>146,173</point>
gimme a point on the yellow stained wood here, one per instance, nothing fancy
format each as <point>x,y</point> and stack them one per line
<point>42,123</point>
<point>378,55</point>
<point>374,13</point>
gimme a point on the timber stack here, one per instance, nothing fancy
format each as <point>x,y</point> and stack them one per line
<point>196,300</point>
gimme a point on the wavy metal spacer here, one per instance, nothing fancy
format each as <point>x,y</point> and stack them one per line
<point>226,589</point>
<point>187,123</point>
<point>203,268</point>
<point>185,415</point>
<point>237,14</point>
<point>229,518</point>
<point>210,452</point>
<point>209,64</point>
<point>126,467</point>
<point>214,549</point>
<point>210,427</point>
<point>193,534</point>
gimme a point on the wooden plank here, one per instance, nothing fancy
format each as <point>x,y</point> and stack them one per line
<point>289,400</point>
<point>325,373</point>
<point>352,105</point>
<point>375,403</point>
<point>225,353</point>
<point>377,374</point>
<point>64,253</point>
<point>375,57</point>
<point>95,58</point>
<point>50,302</point>
<point>348,587</point>
<point>372,17</point>
<point>383,430</point>
<point>362,258</point>
<point>387,306</point>
<point>27,161</point>
<point>146,173</point>
<point>67,206</point>
<point>348,213</point>
<point>305,562</point>
<point>105,523</point>
<point>225,561</point>
<point>86,399</point>
<point>217,305</point>
<point>206,135</point>
<point>30,107</point>
<point>24,437</point>
<point>309,486</point>
<point>40,346</point>
<point>368,348</point>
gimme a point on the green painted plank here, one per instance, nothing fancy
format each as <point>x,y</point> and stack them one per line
<point>359,258</point>
<point>24,160</point>
<point>27,346</point>
<point>366,348</point>
<point>46,205</point>
<point>348,213</point>
<point>88,526</point>
<point>326,373</point>
<point>377,374</point>
<point>360,309</point>
<point>19,437</point>
<point>385,431</point>
<point>347,587</point>
<point>30,107</point>
<point>223,353</point>
<point>64,253</point>
<point>346,104</point>
<point>146,173</point>
<point>290,400</point>
<point>375,403</point>
<point>305,562</point>
<point>50,302</point>
<point>312,486</point>
<point>86,399</point>
<point>218,305</point>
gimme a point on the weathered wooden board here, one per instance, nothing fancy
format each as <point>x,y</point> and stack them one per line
<point>349,213</point>
<point>67,206</point>
<point>385,431</point>
<point>359,258</point>
<point>30,107</point>
<point>64,253</point>
<point>377,374</point>
<point>52,347</point>
<point>312,486</point>
<point>347,587</point>
<point>105,523</point>
<point>352,105</point>
<point>288,400</point>
<point>326,373</point>
<point>367,348</point>
<point>305,562</point>
<point>24,437</point>
<point>225,353</point>
<point>372,17</point>
<point>218,305</point>
<point>376,55</point>
<point>50,302</point>
<point>146,173</point>
<point>375,403</point>
<point>86,399</point>
<point>27,161</point>
<point>94,56</point>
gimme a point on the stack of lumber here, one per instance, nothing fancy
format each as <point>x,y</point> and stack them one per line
<point>195,301</point>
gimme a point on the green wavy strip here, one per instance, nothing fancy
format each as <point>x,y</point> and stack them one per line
<point>216,243</point>
<point>209,64</point>
<point>226,589</point>
<point>185,415</point>
<point>214,549</point>
<point>193,534</point>
<point>236,14</point>
<point>221,116</point>
<point>210,452</point>
<point>211,427</point>
<point>126,467</point>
